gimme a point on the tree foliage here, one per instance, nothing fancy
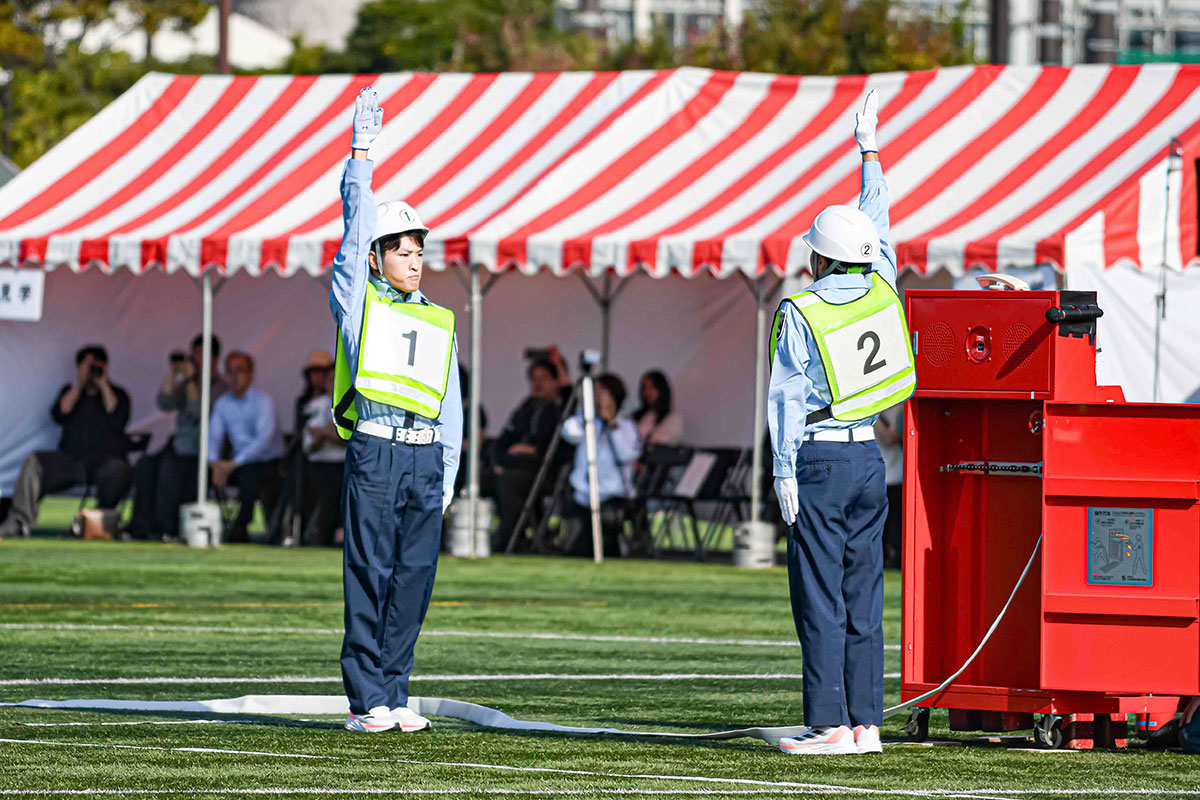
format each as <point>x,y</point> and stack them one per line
<point>51,86</point>
<point>453,35</point>
<point>153,15</point>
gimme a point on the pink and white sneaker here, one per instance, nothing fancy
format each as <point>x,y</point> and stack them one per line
<point>827,741</point>
<point>410,721</point>
<point>866,738</point>
<point>377,720</point>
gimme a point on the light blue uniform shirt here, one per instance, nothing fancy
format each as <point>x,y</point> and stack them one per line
<point>798,384</point>
<point>249,422</point>
<point>347,300</point>
<point>616,450</point>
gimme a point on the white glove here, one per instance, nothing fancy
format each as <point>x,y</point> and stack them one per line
<point>789,498</point>
<point>368,119</point>
<point>447,497</point>
<point>865,124</point>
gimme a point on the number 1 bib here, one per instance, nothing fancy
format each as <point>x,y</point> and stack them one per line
<point>864,346</point>
<point>404,359</point>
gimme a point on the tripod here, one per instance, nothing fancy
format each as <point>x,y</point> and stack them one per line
<point>543,469</point>
<point>584,390</point>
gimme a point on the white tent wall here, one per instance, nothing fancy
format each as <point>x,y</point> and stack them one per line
<point>1126,331</point>
<point>699,331</point>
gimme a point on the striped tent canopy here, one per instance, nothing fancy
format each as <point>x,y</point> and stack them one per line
<point>682,171</point>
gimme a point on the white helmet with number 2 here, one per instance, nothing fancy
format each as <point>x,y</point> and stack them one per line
<point>845,234</point>
<point>396,216</point>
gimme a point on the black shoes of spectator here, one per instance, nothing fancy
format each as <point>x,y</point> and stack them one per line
<point>12,529</point>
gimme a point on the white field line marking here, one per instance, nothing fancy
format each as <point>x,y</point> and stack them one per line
<point>612,676</point>
<point>147,722</point>
<point>574,637</point>
<point>407,791</point>
<point>401,791</point>
<point>963,794</point>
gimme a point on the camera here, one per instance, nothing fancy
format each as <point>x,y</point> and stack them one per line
<point>537,353</point>
<point>589,359</point>
<point>96,370</point>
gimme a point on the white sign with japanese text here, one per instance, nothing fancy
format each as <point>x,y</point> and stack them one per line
<point>21,292</point>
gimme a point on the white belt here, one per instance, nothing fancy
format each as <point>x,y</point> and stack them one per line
<point>841,435</point>
<point>402,435</point>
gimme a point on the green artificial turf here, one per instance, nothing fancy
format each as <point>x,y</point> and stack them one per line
<point>156,598</point>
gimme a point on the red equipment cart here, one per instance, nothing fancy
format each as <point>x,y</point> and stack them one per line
<point>1008,437</point>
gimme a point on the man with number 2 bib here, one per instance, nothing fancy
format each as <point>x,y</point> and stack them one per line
<point>397,401</point>
<point>840,354</point>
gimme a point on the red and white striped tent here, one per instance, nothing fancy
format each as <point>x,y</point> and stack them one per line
<point>673,173</point>
<point>681,171</point>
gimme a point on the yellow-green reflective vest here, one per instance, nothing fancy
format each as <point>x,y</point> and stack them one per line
<point>865,349</point>
<point>404,358</point>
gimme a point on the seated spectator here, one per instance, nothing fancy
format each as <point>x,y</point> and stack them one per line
<point>323,454</point>
<point>165,480</point>
<point>617,446</point>
<point>522,444</point>
<point>93,413</point>
<point>656,422</point>
<point>246,417</point>
<point>464,470</point>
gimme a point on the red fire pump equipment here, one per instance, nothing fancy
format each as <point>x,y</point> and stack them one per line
<point>1009,438</point>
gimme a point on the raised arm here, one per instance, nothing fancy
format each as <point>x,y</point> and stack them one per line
<point>350,269</point>
<point>873,198</point>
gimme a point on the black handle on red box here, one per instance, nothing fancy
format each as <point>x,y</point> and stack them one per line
<point>1076,315</point>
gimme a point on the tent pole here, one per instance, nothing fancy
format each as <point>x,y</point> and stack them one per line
<point>476,383</point>
<point>1160,299</point>
<point>206,291</point>
<point>760,338</point>
<point>606,322</point>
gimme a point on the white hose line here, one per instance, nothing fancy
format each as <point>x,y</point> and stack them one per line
<point>894,710</point>
<point>425,706</point>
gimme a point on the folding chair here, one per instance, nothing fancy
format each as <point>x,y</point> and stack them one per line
<point>661,466</point>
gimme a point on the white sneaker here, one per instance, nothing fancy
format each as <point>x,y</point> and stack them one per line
<point>410,721</point>
<point>377,720</point>
<point>866,738</point>
<point>837,741</point>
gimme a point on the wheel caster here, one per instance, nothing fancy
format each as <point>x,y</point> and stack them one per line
<point>917,726</point>
<point>1048,732</point>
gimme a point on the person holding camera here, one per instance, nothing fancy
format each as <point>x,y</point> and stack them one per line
<point>526,435</point>
<point>165,480</point>
<point>93,413</point>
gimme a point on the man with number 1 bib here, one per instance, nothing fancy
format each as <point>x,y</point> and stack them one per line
<point>397,400</point>
<point>840,354</point>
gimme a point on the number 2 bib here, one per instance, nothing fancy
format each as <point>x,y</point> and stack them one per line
<point>864,346</point>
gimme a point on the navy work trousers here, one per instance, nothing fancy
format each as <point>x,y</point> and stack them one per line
<point>392,504</point>
<point>835,574</point>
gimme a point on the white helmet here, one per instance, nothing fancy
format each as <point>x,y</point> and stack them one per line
<point>845,234</point>
<point>396,216</point>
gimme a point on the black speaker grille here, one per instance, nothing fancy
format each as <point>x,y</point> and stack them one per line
<point>1019,345</point>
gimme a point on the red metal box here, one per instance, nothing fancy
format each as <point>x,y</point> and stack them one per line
<point>1008,437</point>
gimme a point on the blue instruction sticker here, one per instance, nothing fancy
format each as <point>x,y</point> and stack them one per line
<point>1120,545</point>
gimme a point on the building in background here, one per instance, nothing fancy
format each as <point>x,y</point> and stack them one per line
<point>1002,31</point>
<point>323,22</point>
<point>1077,31</point>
